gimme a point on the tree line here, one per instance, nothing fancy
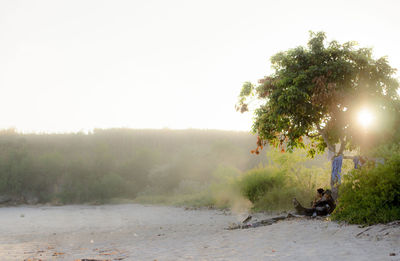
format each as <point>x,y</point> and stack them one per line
<point>107,163</point>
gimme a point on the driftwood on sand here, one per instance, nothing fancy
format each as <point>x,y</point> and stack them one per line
<point>264,222</point>
<point>301,212</point>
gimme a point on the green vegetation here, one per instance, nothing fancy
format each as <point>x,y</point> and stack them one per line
<point>258,182</point>
<point>371,195</point>
<point>118,163</point>
<point>287,176</point>
<point>267,187</point>
<point>312,101</point>
<point>184,168</point>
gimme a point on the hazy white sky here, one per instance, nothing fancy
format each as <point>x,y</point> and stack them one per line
<point>78,65</point>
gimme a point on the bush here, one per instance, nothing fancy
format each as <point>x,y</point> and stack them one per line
<point>287,176</point>
<point>256,183</point>
<point>371,195</point>
<point>273,190</point>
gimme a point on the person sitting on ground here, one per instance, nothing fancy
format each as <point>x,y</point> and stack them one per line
<point>323,207</point>
<point>318,197</point>
<point>326,205</point>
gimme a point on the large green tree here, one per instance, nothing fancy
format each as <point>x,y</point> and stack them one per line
<point>312,98</point>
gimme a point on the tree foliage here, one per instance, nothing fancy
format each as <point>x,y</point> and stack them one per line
<point>316,92</point>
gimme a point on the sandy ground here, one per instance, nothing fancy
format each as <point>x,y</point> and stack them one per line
<point>137,232</point>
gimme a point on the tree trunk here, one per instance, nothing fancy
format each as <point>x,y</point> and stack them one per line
<point>334,189</point>
<point>332,155</point>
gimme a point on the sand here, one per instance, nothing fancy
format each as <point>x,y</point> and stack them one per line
<point>137,232</point>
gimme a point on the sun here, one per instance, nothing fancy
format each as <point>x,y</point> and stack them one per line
<point>365,118</point>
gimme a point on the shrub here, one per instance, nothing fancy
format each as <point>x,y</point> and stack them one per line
<point>371,195</point>
<point>287,176</point>
<point>257,182</point>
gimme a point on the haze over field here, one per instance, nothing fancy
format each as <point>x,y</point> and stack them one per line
<point>120,139</point>
<point>79,168</point>
<point>78,65</point>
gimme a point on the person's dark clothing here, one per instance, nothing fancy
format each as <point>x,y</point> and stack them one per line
<point>322,208</point>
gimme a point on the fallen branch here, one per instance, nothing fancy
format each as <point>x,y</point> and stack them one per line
<point>362,232</point>
<point>264,222</point>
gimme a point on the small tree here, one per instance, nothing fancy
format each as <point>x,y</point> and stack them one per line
<point>317,91</point>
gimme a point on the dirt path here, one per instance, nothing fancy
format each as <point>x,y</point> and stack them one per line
<point>137,232</point>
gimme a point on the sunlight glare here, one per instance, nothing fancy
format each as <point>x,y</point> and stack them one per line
<point>365,117</point>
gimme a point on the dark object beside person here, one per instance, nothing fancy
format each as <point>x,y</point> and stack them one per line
<point>322,207</point>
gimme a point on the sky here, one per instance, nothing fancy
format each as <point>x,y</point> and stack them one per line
<point>69,66</point>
